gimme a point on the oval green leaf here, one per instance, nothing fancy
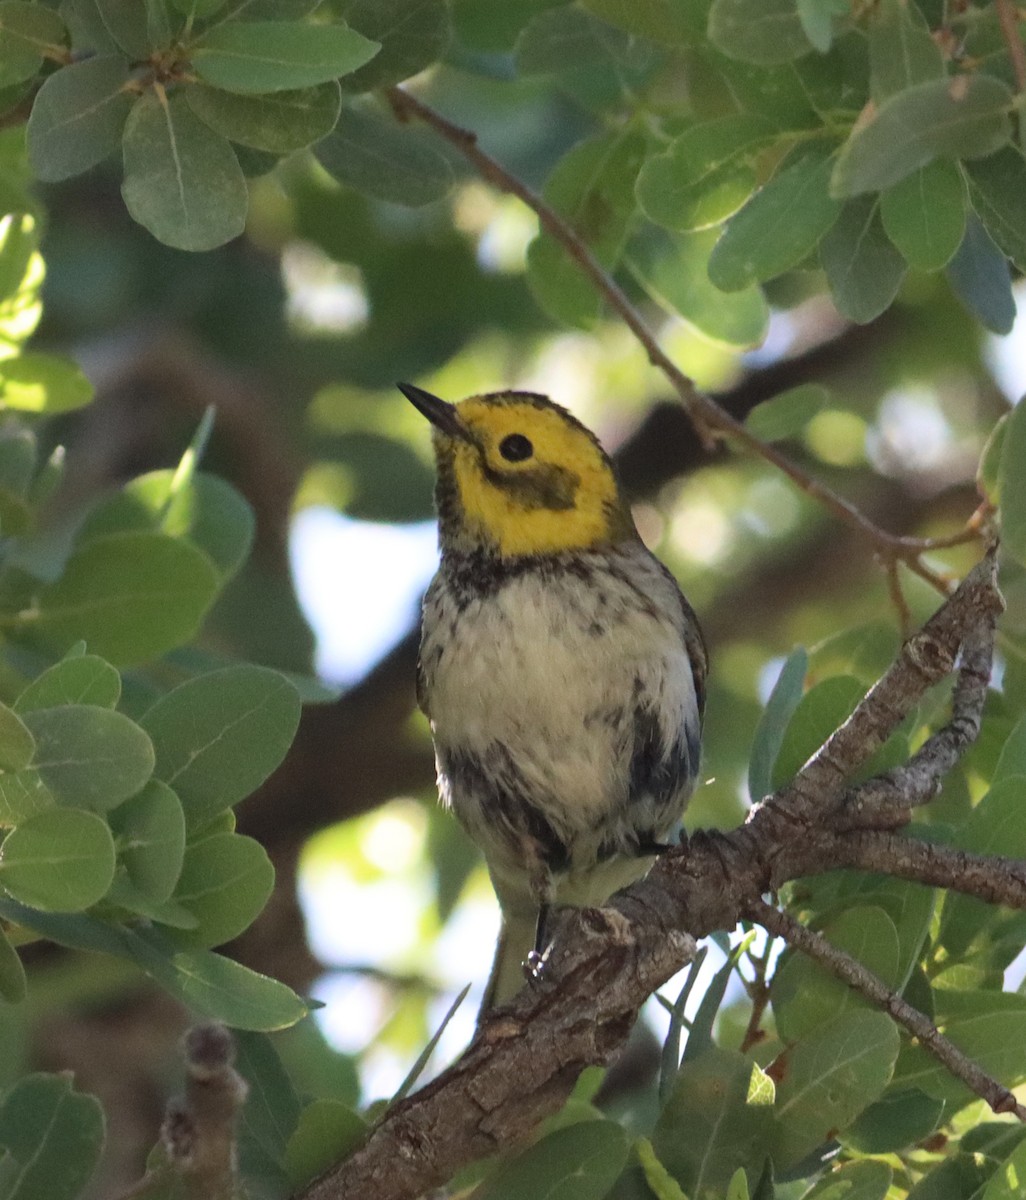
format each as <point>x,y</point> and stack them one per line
<point>17,744</point>
<point>53,1135</point>
<point>225,882</point>
<point>43,383</point>
<point>862,266</point>
<point>413,34</point>
<point>28,33</point>
<point>924,214</point>
<point>61,860</point>
<point>758,31</point>
<point>819,712</point>
<point>85,679</point>
<point>580,1162</point>
<point>278,123</point>
<point>997,185</point>
<point>327,1132</point>
<point>981,279</point>
<point>150,833</point>
<point>182,180</point>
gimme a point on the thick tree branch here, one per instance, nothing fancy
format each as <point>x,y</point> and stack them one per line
<point>526,1057</point>
<point>850,971</point>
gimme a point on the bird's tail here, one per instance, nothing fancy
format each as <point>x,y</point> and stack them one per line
<point>516,941</point>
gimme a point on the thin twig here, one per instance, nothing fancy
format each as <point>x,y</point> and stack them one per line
<point>1008,19</point>
<point>850,971</point>
<point>708,417</point>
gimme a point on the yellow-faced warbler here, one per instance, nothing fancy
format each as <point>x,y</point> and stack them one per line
<point>561,669</point>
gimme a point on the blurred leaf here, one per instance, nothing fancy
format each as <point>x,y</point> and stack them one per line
<point>674,270</point>
<point>413,34</point>
<point>828,1077</point>
<point>580,1162</point>
<point>819,18</point>
<point>21,274</point>
<point>201,509</point>
<point>218,737</point>
<point>61,860</point>
<point>1008,1180</point>
<point>54,1137</point>
<point>1011,762</point>
<point>737,1189</point>
<point>805,995</point>
<point>198,9</point>
<point>274,56</point>
<point>853,1181</point>
<point>132,596</point>
<point>819,712</point>
<point>424,1057</point>
<point>328,1132</point>
<point>150,838</point>
<point>989,1027</point>
<point>725,1103</point>
<point>22,795</point>
<point>661,20</point>
<point>924,214</point>
<point>988,478</point>
<point>182,180</point>
<point>1012,485</point>
<point>27,33</point>
<point>788,413</point>
<point>272,1107</point>
<point>13,983</point>
<point>996,188</point>
<point>86,679</point>
<point>863,268</point>
<point>781,224</point>
<point>758,31</point>
<point>126,22</point>
<point>225,882</point>
<point>77,117</point>
<point>42,383</point>
<point>707,173</point>
<point>901,51</point>
<point>17,744</point>
<point>896,1120</point>
<point>279,122</point>
<point>963,117</point>
<point>556,37</point>
<point>207,983</point>
<point>373,154</point>
<point>981,279</point>
<point>962,1175</point>
<point>660,1182</point>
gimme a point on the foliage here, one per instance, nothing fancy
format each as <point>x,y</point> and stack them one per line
<point>732,163</point>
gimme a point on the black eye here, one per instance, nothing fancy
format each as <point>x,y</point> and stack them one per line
<point>515,448</point>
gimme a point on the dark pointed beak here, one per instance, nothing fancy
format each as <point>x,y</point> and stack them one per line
<point>440,413</point>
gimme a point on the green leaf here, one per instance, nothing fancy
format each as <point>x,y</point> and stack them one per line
<point>579,1162</point>
<point>1012,759</point>
<point>126,22</point>
<point>924,215</point>
<point>819,712</point>
<point>28,34</point>
<point>707,173</point>
<point>556,37</point>
<point>182,180</point>
<point>660,20</point>
<point>374,155</point>
<point>132,596</point>
<point>989,1027</point>
<point>781,224</point>
<point>150,837</point>
<point>758,31</point>
<point>17,744</point>
<point>201,509</point>
<point>828,1078</point>
<point>274,56</point>
<point>198,9</point>
<point>901,51</point>
<point>13,982</point>
<point>660,1182</point>
<point>1009,1179</point>
<point>207,983</point>
<point>725,1102</point>
<point>413,34</point>
<point>776,717</point>
<point>86,679</point>
<point>219,736</point>
<point>225,882</point>
<point>980,277</point>
<point>862,266</point>
<point>278,123</point>
<point>805,995</point>
<point>53,1136</point>
<point>77,117</point>
<point>61,860</point>
<point>963,117</point>
<point>896,1120</point>
<point>996,187</point>
<point>1012,485</point>
<point>853,1181</point>
<point>819,18</point>
<point>21,275</point>
<point>673,270</point>
<point>328,1131</point>
<point>988,481</point>
<point>43,383</point>
<point>22,795</point>
<point>18,459</point>
<point>271,1112</point>
<point>787,414</point>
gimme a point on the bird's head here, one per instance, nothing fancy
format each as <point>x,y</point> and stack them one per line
<point>519,475</point>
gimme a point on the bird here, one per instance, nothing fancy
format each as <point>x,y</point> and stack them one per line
<point>561,669</point>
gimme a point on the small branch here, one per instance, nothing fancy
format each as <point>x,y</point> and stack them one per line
<point>759,992</point>
<point>1008,18</point>
<point>850,971</point>
<point>709,418</point>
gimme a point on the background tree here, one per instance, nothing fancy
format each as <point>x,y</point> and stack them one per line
<point>839,183</point>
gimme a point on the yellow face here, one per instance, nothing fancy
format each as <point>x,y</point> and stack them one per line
<point>529,479</point>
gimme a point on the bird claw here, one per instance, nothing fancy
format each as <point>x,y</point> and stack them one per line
<point>535,963</point>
